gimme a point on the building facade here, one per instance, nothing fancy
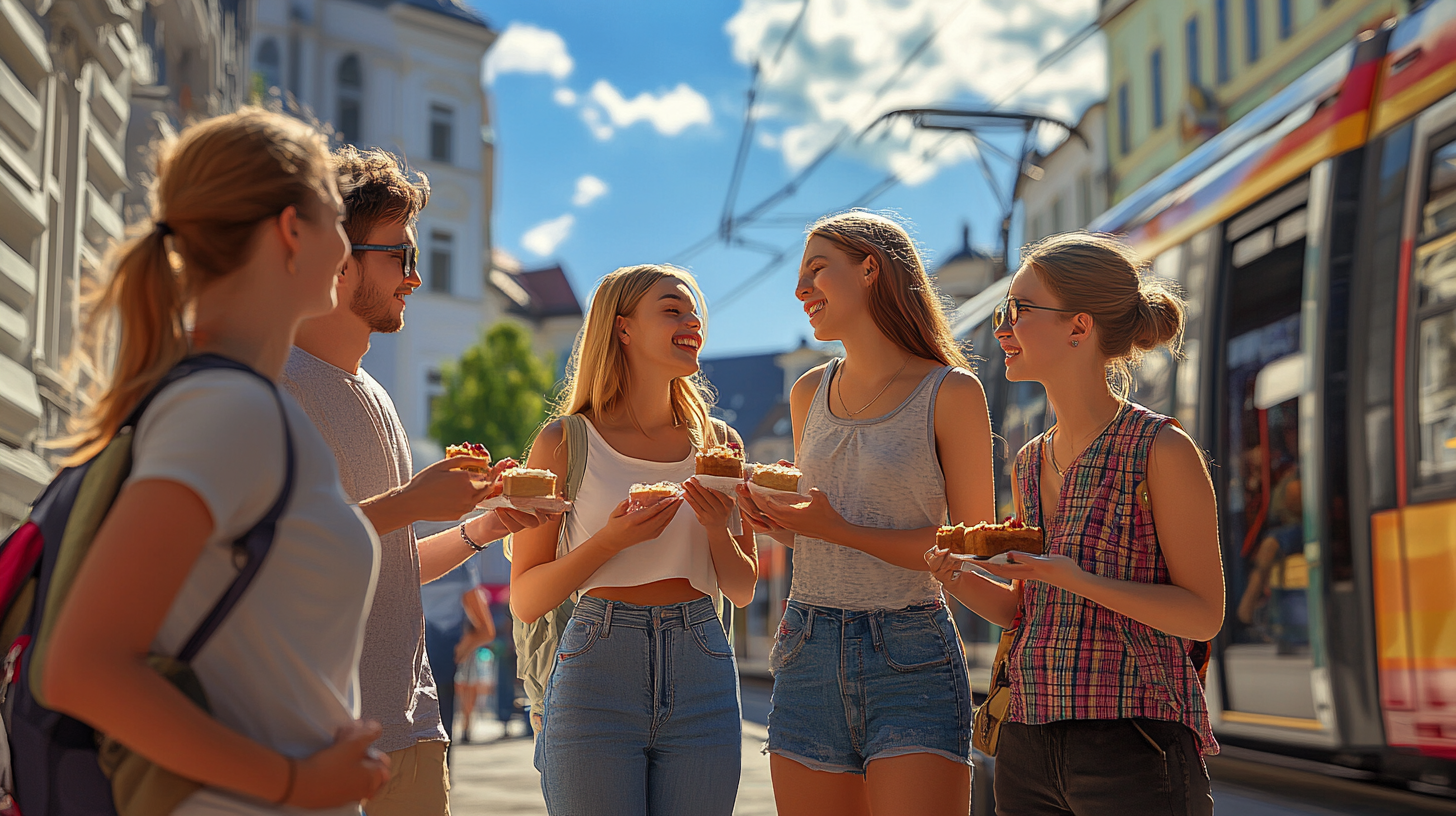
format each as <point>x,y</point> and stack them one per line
<point>84,88</point>
<point>1181,70</point>
<point>403,75</point>
<point>542,301</point>
<point>1073,187</point>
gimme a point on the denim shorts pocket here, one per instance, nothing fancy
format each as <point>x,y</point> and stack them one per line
<point>711,639</point>
<point>793,632</point>
<point>577,639</point>
<point>913,641</point>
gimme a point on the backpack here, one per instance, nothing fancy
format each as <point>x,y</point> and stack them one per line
<point>55,759</point>
<point>536,642</point>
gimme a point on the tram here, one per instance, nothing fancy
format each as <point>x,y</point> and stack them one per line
<point>1315,239</point>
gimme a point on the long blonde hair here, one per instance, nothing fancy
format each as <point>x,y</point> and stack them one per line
<point>214,185</point>
<point>903,300</point>
<point>596,378</point>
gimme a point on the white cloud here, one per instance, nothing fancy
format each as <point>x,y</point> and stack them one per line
<point>545,237</point>
<point>526,49</point>
<point>565,97</point>
<point>588,189</point>
<point>844,51</point>
<point>670,112</point>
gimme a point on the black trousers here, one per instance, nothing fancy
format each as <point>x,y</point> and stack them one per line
<point>1101,768</point>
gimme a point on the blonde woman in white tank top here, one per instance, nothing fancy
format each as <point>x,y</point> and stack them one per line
<point>871,703</point>
<point>641,712</point>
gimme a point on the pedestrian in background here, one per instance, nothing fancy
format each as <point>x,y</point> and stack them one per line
<point>871,702</point>
<point>358,419</point>
<point>248,206</point>
<point>1107,713</point>
<point>453,604</point>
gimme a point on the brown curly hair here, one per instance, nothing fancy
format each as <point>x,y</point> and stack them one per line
<point>378,188</point>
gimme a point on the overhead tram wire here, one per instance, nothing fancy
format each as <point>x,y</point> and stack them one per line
<point>894,179</point>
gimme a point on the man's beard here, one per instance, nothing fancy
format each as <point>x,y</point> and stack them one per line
<point>372,304</point>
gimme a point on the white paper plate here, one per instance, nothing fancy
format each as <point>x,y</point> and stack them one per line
<point>789,497</point>
<point>999,558</point>
<point>722,484</point>
<point>541,504</point>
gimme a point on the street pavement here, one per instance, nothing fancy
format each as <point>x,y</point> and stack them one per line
<point>494,775</point>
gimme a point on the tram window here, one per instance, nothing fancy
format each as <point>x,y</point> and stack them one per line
<point>1436,403</point>
<point>1153,381</point>
<point>1440,212</point>
<point>1436,272</point>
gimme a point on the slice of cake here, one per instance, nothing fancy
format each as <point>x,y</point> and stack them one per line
<point>721,460</point>
<point>986,540</point>
<point>777,477</point>
<point>645,494</point>
<point>529,483</point>
<point>952,538</point>
<point>468,449</point>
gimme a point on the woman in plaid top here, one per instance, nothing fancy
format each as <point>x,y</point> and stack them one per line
<point>1107,713</point>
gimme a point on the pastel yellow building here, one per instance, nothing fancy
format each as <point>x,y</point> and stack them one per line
<point>1181,70</point>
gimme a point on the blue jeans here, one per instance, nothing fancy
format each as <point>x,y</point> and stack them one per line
<point>440,647</point>
<point>641,713</point>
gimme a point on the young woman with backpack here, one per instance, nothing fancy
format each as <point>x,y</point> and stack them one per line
<point>243,242</point>
<point>641,709</point>
<point>1106,712</point>
<point>871,704</point>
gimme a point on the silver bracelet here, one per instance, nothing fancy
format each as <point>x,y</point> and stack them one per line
<point>466,539</point>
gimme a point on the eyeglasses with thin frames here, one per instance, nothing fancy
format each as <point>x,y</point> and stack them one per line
<point>411,253</point>
<point>1010,309</point>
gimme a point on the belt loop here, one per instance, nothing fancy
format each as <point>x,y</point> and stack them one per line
<point>682,609</point>
<point>876,636</point>
<point>607,620</point>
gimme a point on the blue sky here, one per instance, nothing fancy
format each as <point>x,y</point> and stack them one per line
<point>616,126</point>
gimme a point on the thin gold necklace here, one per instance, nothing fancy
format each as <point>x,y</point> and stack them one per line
<point>1052,435</point>
<point>839,386</point>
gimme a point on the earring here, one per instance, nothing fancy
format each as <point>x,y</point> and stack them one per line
<point>1074,343</point>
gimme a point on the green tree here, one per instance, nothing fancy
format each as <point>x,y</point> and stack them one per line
<point>495,395</point>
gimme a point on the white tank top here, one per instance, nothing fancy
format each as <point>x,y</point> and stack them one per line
<point>682,549</point>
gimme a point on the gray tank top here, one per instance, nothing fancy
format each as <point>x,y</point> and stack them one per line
<point>881,472</point>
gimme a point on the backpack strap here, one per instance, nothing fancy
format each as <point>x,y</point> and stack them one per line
<point>252,546</point>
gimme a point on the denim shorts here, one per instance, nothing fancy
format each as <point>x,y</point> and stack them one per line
<point>855,686</point>
<point>641,713</point>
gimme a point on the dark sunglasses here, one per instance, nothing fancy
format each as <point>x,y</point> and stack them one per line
<point>411,253</point>
<point>1010,309</point>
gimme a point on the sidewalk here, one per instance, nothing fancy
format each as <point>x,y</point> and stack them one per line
<point>496,776</point>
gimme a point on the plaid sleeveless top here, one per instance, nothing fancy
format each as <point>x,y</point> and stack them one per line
<point>1077,660</point>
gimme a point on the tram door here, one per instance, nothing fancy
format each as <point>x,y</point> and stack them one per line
<point>1266,657</point>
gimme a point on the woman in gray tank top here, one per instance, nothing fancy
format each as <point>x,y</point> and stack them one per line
<point>871,704</point>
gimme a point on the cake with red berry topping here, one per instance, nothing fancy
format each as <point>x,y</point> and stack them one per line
<point>987,540</point>
<point>468,449</point>
<point>721,460</point>
<point>529,483</point>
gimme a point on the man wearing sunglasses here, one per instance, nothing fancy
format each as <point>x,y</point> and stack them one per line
<point>358,418</point>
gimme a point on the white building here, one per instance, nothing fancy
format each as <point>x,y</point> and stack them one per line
<point>1073,189</point>
<point>84,86</point>
<point>404,75</point>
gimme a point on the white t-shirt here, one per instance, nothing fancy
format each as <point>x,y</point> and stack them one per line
<point>283,668</point>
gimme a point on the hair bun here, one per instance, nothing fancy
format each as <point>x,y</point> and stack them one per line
<point>1159,317</point>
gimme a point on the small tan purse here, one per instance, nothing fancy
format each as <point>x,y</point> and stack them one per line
<point>986,727</point>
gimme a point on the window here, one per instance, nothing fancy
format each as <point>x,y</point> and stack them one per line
<point>1221,39</point>
<point>1124,118</point>
<point>1059,215</point>
<point>1435,276</point>
<point>270,67</point>
<point>1286,18</point>
<point>1251,31</point>
<point>1190,36</point>
<point>1156,69</point>
<point>442,133</point>
<point>351,98</point>
<point>442,254</point>
<point>295,64</point>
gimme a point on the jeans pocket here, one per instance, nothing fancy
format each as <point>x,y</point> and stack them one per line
<point>792,634</point>
<point>1148,732</point>
<point>712,640</point>
<point>577,639</point>
<point>913,641</point>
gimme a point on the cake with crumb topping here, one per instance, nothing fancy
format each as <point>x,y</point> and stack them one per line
<point>529,483</point>
<point>777,477</point>
<point>645,494</point>
<point>721,460</point>
<point>986,540</point>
